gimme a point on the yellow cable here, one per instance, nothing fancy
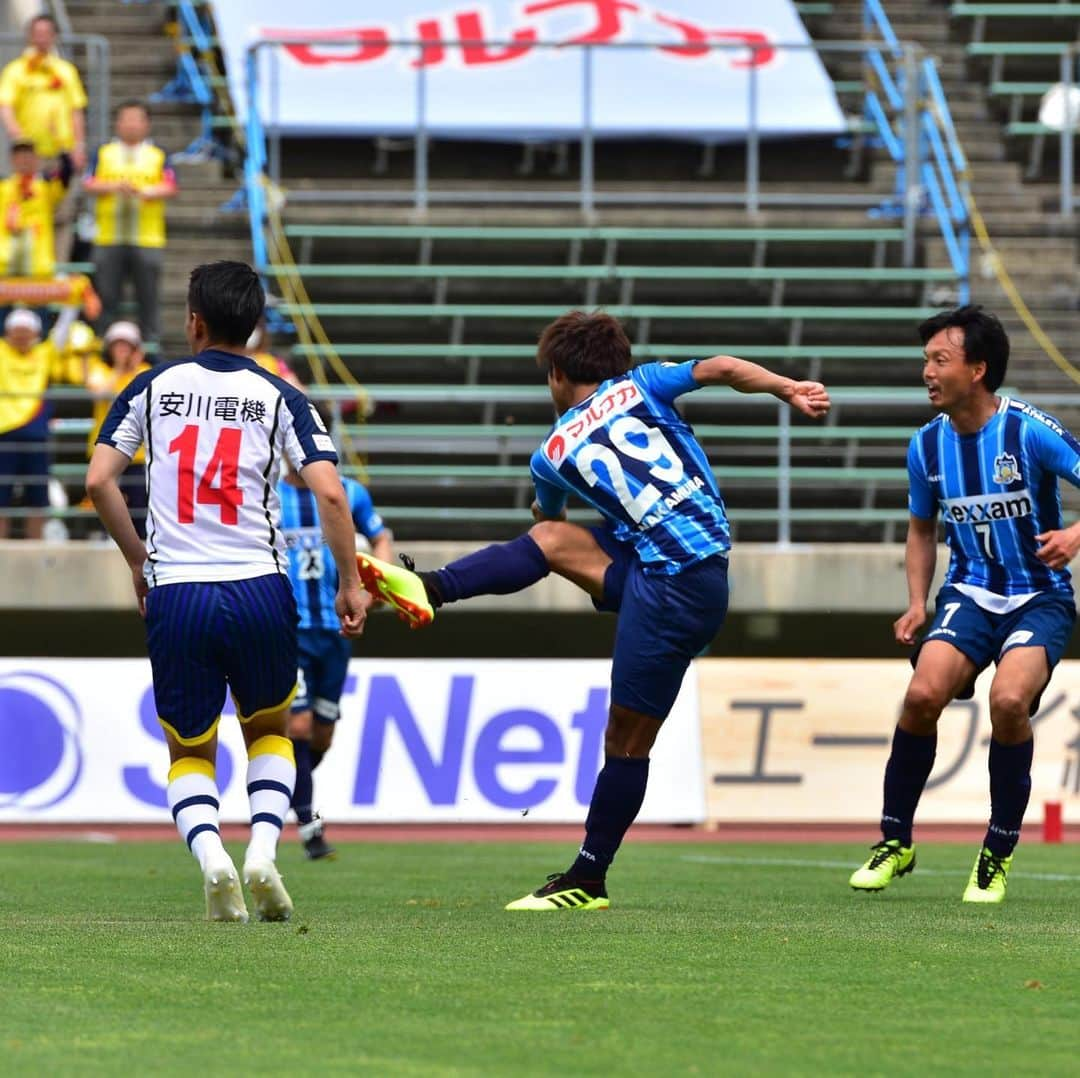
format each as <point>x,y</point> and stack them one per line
<point>1002,274</point>
<point>308,326</point>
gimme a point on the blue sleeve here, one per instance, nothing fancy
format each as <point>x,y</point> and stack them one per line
<point>364,514</point>
<point>551,490</point>
<point>305,436</point>
<point>921,501</point>
<point>666,381</point>
<point>1057,450</point>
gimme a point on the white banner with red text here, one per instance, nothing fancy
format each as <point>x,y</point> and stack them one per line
<point>452,741</point>
<point>362,79</point>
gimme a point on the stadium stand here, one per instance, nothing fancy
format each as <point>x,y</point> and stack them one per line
<point>435,315</point>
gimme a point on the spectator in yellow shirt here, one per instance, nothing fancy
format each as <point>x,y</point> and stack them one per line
<point>131,180</point>
<point>42,99</point>
<point>28,204</point>
<point>106,378</point>
<point>25,364</point>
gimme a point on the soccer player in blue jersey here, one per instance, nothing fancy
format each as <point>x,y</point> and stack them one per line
<point>990,466</point>
<point>209,579</point>
<point>660,561</point>
<point>324,652</point>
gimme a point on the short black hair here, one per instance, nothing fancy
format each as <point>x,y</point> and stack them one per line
<point>22,146</point>
<point>44,16</point>
<point>985,339</point>
<point>230,299</point>
<point>588,347</point>
<point>132,103</point>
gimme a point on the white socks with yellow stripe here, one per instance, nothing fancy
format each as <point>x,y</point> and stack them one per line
<point>271,776</point>
<point>193,799</point>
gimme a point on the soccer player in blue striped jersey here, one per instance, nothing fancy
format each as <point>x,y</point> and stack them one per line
<point>324,652</point>
<point>989,466</point>
<point>659,561</point>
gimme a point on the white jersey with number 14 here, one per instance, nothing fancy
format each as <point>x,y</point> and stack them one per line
<point>216,428</point>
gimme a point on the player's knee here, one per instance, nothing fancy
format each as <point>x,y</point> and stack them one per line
<point>300,724</point>
<point>629,734</point>
<point>548,536</point>
<point>1009,707</point>
<point>923,704</point>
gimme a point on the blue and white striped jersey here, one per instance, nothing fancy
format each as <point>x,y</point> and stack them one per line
<point>312,571</point>
<point>627,452</point>
<point>996,490</point>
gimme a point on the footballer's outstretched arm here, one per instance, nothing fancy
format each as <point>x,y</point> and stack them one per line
<point>810,398</point>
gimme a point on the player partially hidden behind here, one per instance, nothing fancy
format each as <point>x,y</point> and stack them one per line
<point>210,579</point>
<point>660,562</point>
<point>990,465</point>
<point>324,653</point>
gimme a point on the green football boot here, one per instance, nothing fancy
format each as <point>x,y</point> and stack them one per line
<point>398,586</point>
<point>887,860</point>
<point>988,878</point>
<point>564,892</point>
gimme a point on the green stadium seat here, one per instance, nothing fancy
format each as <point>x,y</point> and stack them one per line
<point>634,312</point>
<point>377,271</point>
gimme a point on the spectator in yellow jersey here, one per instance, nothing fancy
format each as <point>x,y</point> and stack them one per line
<point>131,180</point>
<point>106,378</point>
<point>26,362</point>
<point>42,99</point>
<point>259,348</point>
<point>28,204</point>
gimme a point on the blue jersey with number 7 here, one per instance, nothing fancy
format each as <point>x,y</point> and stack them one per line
<point>629,454</point>
<point>996,490</point>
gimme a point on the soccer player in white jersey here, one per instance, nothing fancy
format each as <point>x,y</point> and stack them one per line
<point>990,466</point>
<point>210,579</point>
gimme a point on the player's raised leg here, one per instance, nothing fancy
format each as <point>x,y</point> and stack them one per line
<point>941,673</point>
<point>550,546</point>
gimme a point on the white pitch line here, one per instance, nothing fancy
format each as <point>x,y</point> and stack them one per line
<point>794,862</point>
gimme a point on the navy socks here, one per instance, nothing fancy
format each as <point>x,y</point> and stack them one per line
<point>1010,788</point>
<point>906,773</point>
<point>303,790</point>
<point>616,801</point>
<point>499,569</point>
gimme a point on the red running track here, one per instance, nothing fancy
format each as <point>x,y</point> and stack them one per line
<point>523,832</point>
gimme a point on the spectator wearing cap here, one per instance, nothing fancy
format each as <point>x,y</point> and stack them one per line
<point>28,203</point>
<point>42,99</point>
<point>26,362</point>
<point>131,181</point>
<point>106,377</point>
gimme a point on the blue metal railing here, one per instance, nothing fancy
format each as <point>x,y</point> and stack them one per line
<point>906,104</point>
<point>191,83</point>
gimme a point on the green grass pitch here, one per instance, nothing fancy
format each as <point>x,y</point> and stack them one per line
<point>715,959</point>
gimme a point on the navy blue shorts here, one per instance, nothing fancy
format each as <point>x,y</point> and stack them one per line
<point>324,665</point>
<point>24,460</point>
<point>1045,621</point>
<point>206,637</point>
<point>665,621</point>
